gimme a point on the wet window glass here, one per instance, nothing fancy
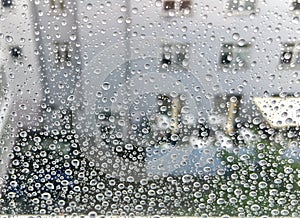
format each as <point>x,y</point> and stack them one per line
<point>150,108</point>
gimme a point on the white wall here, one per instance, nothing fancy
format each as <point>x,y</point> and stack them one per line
<point>58,80</point>
<point>113,32</point>
<point>205,30</point>
<point>20,77</point>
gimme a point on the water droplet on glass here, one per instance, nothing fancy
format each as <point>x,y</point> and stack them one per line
<point>106,86</point>
<point>9,39</point>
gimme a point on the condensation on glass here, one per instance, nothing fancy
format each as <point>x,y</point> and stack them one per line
<point>150,108</point>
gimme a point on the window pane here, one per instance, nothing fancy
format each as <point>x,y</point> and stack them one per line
<point>159,108</point>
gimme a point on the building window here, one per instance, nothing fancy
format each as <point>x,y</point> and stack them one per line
<point>295,5</point>
<point>177,7</point>
<point>241,6</point>
<point>106,125</point>
<point>57,6</point>
<point>16,52</point>
<point>234,56</point>
<point>290,55</point>
<point>174,54</point>
<point>62,53</point>
<point>169,5</point>
<point>6,3</point>
<point>167,121</point>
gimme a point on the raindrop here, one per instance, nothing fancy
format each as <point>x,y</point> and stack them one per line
<point>46,196</point>
<point>89,6</point>
<point>9,39</point>
<point>71,98</point>
<point>106,86</point>
<point>187,178</point>
<point>120,19</point>
<point>158,3</point>
<point>174,137</point>
<point>97,71</point>
<point>236,36</point>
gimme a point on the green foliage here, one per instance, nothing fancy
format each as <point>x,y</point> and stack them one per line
<point>259,182</point>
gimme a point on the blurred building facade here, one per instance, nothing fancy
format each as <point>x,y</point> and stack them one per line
<point>64,63</point>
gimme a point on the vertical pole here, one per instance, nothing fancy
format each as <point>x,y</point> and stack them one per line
<point>233,110</point>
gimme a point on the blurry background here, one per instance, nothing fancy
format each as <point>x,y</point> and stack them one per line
<point>131,91</point>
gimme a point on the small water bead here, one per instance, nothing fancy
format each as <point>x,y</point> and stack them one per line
<point>9,39</point>
<point>255,207</point>
<point>236,36</point>
<point>134,10</point>
<point>158,3</point>
<point>46,196</point>
<point>120,19</point>
<point>89,6</point>
<point>71,98</point>
<point>106,86</point>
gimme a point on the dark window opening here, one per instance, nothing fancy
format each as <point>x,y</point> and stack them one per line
<point>169,5</point>
<point>225,58</point>
<point>62,52</point>
<point>166,60</point>
<point>286,57</point>
<point>16,52</point>
<point>235,55</point>
<point>237,5</point>
<point>57,5</point>
<point>185,5</point>
<point>6,3</point>
<point>296,5</point>
<point>180,58</point>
